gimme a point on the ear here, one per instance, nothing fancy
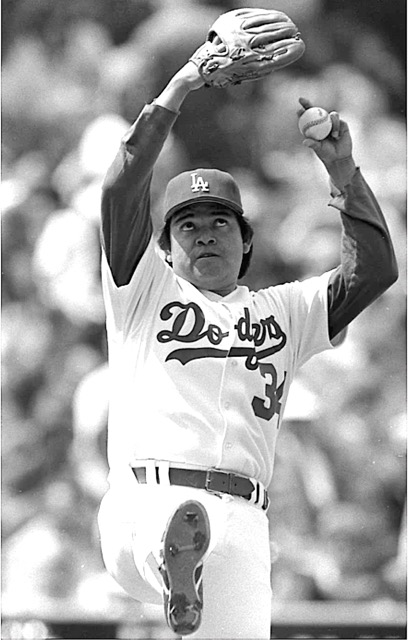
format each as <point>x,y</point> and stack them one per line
<point>247,246</point>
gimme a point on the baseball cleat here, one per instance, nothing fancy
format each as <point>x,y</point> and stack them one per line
<point>185,542</point>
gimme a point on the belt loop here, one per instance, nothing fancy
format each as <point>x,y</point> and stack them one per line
<point>164,472</point>
<point>151,477</point>
<point>263,498</point>
<point>254,499</point>
<point>266,501</point>
<point>258,491</point>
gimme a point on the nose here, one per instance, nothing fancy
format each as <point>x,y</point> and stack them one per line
<point>205,237</point>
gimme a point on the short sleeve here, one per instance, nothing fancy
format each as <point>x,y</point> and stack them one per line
<point>126,304</point>
<point>309,318</point>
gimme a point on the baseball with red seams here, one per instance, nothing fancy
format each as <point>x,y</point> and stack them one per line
<point>315,123</point>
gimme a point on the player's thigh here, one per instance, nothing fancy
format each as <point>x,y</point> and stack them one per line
<point>132,520</point>
<point>117,546</point>
<point>236,579</point>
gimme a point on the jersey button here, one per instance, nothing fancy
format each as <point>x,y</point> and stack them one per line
<point>227,405</point>
<point>233,363</point>
<point>228,445</point>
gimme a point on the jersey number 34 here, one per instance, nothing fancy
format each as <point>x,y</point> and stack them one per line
<point>267,407</point>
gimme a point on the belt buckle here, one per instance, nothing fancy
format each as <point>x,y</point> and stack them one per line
<point>218,481</point>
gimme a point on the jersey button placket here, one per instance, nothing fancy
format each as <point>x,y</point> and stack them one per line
<point>225,404</point>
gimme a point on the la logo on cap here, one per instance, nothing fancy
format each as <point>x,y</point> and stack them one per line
<point>198,183</point>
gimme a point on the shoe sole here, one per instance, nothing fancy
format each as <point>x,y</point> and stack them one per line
<point>185,542</point>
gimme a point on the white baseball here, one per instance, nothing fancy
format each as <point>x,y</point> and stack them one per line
<point>315,123</point>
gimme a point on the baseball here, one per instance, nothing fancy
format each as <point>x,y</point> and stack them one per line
<point>315,123</point>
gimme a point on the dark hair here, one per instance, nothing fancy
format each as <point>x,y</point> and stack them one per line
<point>247,234</point>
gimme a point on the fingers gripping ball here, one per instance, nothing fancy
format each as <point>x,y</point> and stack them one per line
<point>315,123</point>
<point>247,44</point>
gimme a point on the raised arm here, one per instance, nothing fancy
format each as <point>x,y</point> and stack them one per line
<point>368,264</point>
<point>126,223</point>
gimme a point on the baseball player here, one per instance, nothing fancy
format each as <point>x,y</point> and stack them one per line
<point>201,367</point>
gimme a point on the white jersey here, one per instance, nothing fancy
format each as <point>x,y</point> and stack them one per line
<point>203,379</point>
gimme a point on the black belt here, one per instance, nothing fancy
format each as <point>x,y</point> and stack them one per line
<point>212,480</point>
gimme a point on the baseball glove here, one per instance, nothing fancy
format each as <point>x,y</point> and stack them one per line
<point>247,44</point>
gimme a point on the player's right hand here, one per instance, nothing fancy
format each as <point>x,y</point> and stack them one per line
<point>337,146</point>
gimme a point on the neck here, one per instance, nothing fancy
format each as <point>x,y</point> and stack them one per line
<point>221,292</point>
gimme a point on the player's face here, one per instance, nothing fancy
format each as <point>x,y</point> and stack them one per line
<point>207,246</point>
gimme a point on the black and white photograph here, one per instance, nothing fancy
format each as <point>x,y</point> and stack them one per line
<point>204,315</point>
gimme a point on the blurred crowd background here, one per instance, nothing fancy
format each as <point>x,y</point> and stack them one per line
<point>74,76</point>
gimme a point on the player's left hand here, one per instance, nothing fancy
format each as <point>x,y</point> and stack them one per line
<point>337,145</point>
<point>189,77</point>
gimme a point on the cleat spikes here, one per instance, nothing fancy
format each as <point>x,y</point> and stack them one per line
<point>199,540</point>
<point>191,517</point>
<point>174,549</point>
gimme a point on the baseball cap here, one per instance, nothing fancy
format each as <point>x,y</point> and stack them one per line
<point>201,185</point>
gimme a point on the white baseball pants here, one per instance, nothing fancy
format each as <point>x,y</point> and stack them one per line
<point>237,567</point>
